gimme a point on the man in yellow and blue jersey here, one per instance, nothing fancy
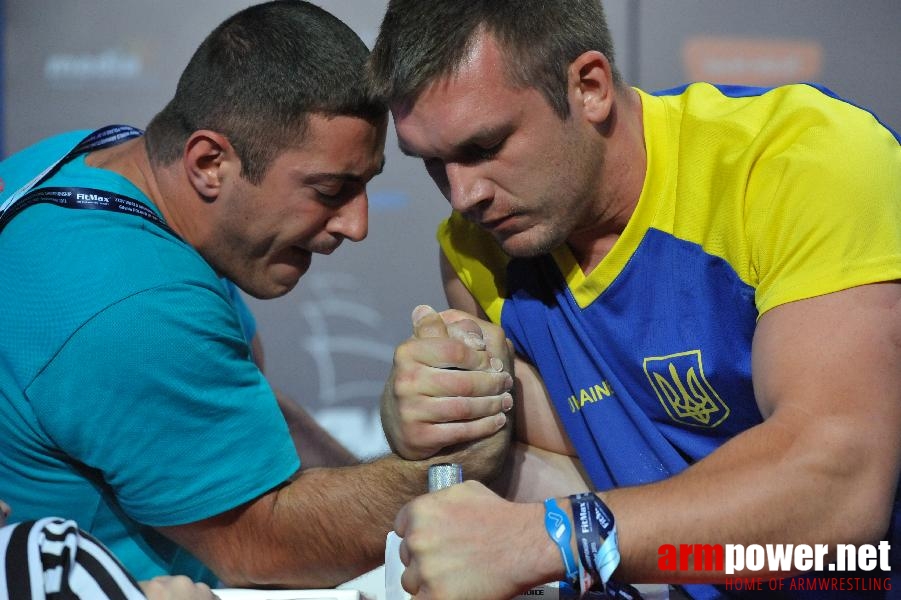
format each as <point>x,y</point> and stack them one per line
<point>702,289</point>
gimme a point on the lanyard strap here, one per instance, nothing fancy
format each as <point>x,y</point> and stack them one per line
<point>85,198</point>
<point>79,197</point>
<point>96,140</point>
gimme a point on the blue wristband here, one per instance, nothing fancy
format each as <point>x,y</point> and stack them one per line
<point>559,528</point>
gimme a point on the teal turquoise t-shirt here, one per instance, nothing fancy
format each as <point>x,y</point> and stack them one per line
<point>128,397</point>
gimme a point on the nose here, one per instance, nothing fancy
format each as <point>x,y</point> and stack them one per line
<point>464,188</point>
<point>352,219</point>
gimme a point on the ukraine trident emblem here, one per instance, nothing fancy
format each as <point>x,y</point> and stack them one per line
<point>683,390</point>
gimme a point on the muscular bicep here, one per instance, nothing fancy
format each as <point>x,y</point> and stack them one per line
<point>537,423</point>
<point>829,368</point>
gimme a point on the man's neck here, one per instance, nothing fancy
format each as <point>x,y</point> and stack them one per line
<point>623,174</point>
<point>160,185</point>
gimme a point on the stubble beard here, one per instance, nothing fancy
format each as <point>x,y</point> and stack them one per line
<point>538,241</point>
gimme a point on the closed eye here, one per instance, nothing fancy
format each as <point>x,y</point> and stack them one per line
<point>337,195</point>
<point>479,152</point>
<point>328,194</point>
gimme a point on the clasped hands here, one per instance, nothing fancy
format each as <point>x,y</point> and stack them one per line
<point>451,384</point>
<point>447,400</point>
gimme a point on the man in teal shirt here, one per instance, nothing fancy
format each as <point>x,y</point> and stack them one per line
<point>129,400</point>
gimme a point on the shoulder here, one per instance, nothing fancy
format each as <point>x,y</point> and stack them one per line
<point>761,115</point>
<point>20,168</point>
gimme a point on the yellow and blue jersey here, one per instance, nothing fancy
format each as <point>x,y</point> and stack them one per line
<point>753,198</point>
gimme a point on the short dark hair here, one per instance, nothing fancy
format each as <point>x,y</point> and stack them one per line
<point>257,77</point>
<point>423,40</point>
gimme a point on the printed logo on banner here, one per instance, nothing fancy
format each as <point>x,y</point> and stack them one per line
<point>751,61</point>
<point>683,390</point>
<point>109,65</point>
<point>768,567</point>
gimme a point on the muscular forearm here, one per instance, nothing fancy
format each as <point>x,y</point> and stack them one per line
<point>768,485</point>
<point>324,527</point>
<point>327,525</point>
<point>343,516</point>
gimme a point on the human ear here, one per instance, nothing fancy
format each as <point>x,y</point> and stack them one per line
<point>206,154</point>
<point>590,80</point>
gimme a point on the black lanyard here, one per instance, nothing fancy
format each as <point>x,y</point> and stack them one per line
<point>78,197</point>
<point>87,198</point>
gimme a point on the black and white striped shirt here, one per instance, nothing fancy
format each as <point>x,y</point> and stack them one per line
<point>54,560</point>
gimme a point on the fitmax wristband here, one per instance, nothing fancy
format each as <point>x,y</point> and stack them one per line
<point>589,537</point>
<point>596,538</point>
<point>559,528</point>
